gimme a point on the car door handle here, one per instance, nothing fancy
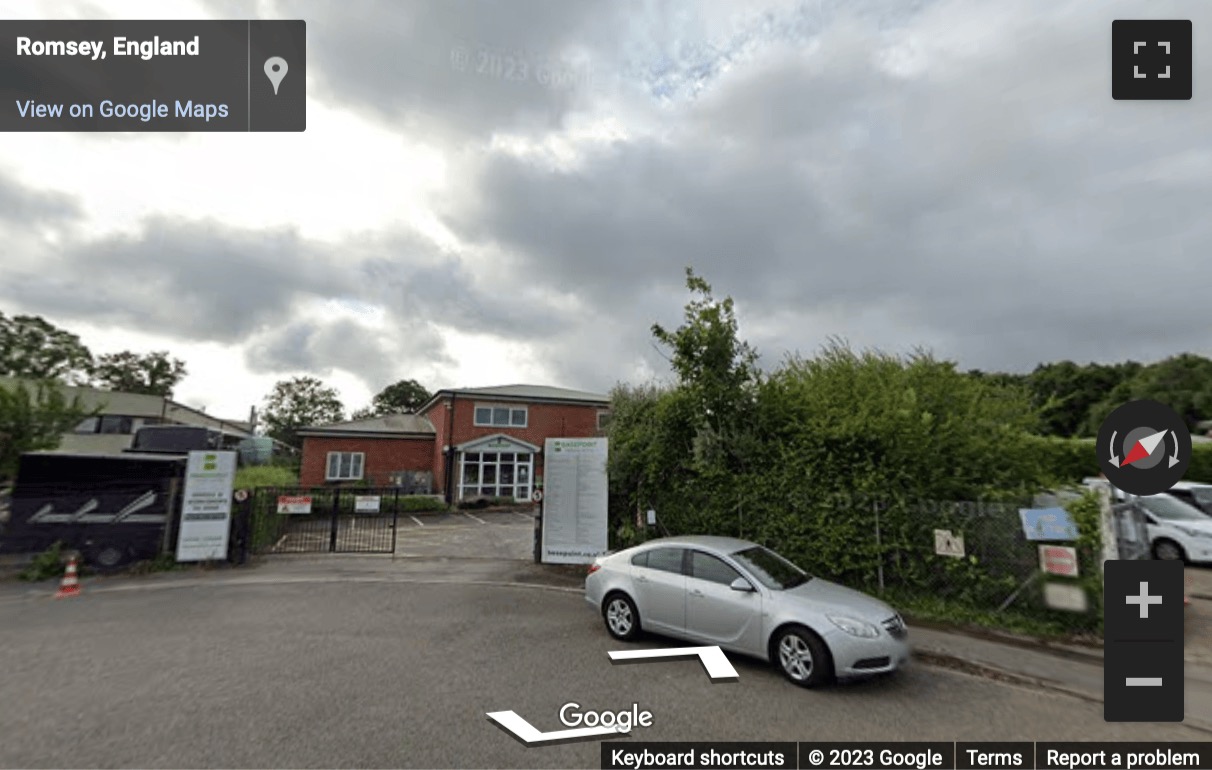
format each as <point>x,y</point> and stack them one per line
<point>695,592</point>
<point>641,579</point>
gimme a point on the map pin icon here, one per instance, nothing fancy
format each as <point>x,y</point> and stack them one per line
<point>275,70</point>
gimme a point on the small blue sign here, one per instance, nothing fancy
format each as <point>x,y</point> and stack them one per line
<point>1047,524</point>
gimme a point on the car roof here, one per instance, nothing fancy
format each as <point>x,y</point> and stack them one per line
<point>722,544</point>
<point>1191,485</point>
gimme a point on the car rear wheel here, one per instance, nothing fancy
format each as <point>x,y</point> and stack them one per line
<point>802,657</point>
<point>1168,550</point>
<point>107,556</point>
<point>622,618</point>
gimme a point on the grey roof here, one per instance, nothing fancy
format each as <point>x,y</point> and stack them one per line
<point>388,425</point>
<point>537,392</point>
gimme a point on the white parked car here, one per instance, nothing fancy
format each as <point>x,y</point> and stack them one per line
<point>1194,493</point>
<point>1177,530</point>
<point>747,599</point>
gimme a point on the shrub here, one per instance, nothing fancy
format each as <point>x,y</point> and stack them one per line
<point>419,504</point>
<point>46,565</point>
<point>265,476</point>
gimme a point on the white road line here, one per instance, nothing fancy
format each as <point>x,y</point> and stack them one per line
<point>476,518</point>
<point>524,516</point>
<point>418,521</point>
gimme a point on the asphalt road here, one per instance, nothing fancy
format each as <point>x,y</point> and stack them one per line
<point>381,663</point>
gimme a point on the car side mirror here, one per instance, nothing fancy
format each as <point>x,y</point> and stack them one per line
<point>741,584</point>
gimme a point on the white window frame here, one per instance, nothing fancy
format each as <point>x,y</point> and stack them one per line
<point>603,414</point>
<point>357,466</point>
<point>508,423</point>
<point>473,490</point>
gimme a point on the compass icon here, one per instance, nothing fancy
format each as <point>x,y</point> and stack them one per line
<point>1144,447</point>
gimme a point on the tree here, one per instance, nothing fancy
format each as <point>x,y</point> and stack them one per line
<point>152,374</point>
<point>1182,382</point>
<point>711,361</point>
<point>34,416</point>
<point>32,348</point>
<point>297,403</point>
<point>398,398</point>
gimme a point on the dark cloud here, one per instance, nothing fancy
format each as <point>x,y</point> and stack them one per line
<point>455,67</point>
<point>342,344</point>
<point>201,281</point>
<point>21,205</point>
<point>998,205</point>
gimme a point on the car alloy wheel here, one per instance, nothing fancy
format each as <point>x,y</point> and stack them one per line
<point>621,617</point>
<point>795,657</point>
<point>803,657</point>
<point>1168,551</point>
<point>108,557</point>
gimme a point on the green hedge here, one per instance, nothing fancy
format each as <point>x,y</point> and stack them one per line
<point>1072,459</point>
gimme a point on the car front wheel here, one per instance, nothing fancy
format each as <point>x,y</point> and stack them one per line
<point>1168,550</point>
<point>622,618</point>
<point>802,657</point>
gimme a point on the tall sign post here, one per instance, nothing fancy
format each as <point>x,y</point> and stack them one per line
<point>574,503</point>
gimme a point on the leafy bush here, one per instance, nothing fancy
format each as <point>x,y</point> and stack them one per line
<point>1069,460</point>
<point>46,565</point>
<point>265,476</point>
<point>476,503</point>
<point>419,504</point>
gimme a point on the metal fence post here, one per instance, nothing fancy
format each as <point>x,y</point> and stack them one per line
<point>395,521</point>
<point>336,519</point>
<point>1110,536</point>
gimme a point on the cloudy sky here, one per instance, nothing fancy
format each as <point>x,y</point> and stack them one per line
<point>950,174</point>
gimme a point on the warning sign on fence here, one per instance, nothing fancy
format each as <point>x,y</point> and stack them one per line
<point>1058,560</point>
<point>294,504</point>
<point>946,543</point>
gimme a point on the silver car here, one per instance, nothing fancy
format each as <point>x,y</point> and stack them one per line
<point>747,599</point>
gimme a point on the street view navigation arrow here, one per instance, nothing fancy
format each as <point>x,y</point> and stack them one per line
<point>713,659</point>
<point>530,735</point>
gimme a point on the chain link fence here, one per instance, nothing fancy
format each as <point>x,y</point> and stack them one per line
<point>954,560</point>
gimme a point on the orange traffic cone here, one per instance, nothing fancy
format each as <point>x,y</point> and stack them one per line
<point>70,585</point>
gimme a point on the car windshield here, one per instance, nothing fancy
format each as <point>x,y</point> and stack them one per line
<point>770,569</point>
<point>1202,495</point>
<point>1170,509</point>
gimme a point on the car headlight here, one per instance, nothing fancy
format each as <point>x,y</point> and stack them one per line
<point>854,627</point>
<point>1194,532</point>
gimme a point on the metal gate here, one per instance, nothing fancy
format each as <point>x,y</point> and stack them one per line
<point>324,520</point>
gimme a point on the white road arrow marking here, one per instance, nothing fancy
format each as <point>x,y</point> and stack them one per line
<point>528,734</point>
<point>713,658</point>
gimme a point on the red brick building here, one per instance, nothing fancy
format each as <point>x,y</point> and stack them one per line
<point>470,442</point>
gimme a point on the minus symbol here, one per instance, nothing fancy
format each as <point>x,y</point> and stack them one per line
<point>1144,681</point>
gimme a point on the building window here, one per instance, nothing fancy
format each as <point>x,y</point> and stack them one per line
<point>88,425</point>
<point>345,466</point>
<point>496,474</point>
<point>500,417</point>
<point>116,424</point>
<point>603,420</point>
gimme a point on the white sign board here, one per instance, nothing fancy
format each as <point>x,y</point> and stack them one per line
<point>366,504</point>
<point>1065,596</point>
<point>574,502</point>
<point>287,504</point>
<point>206,506</point>
<point>948,544</point>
